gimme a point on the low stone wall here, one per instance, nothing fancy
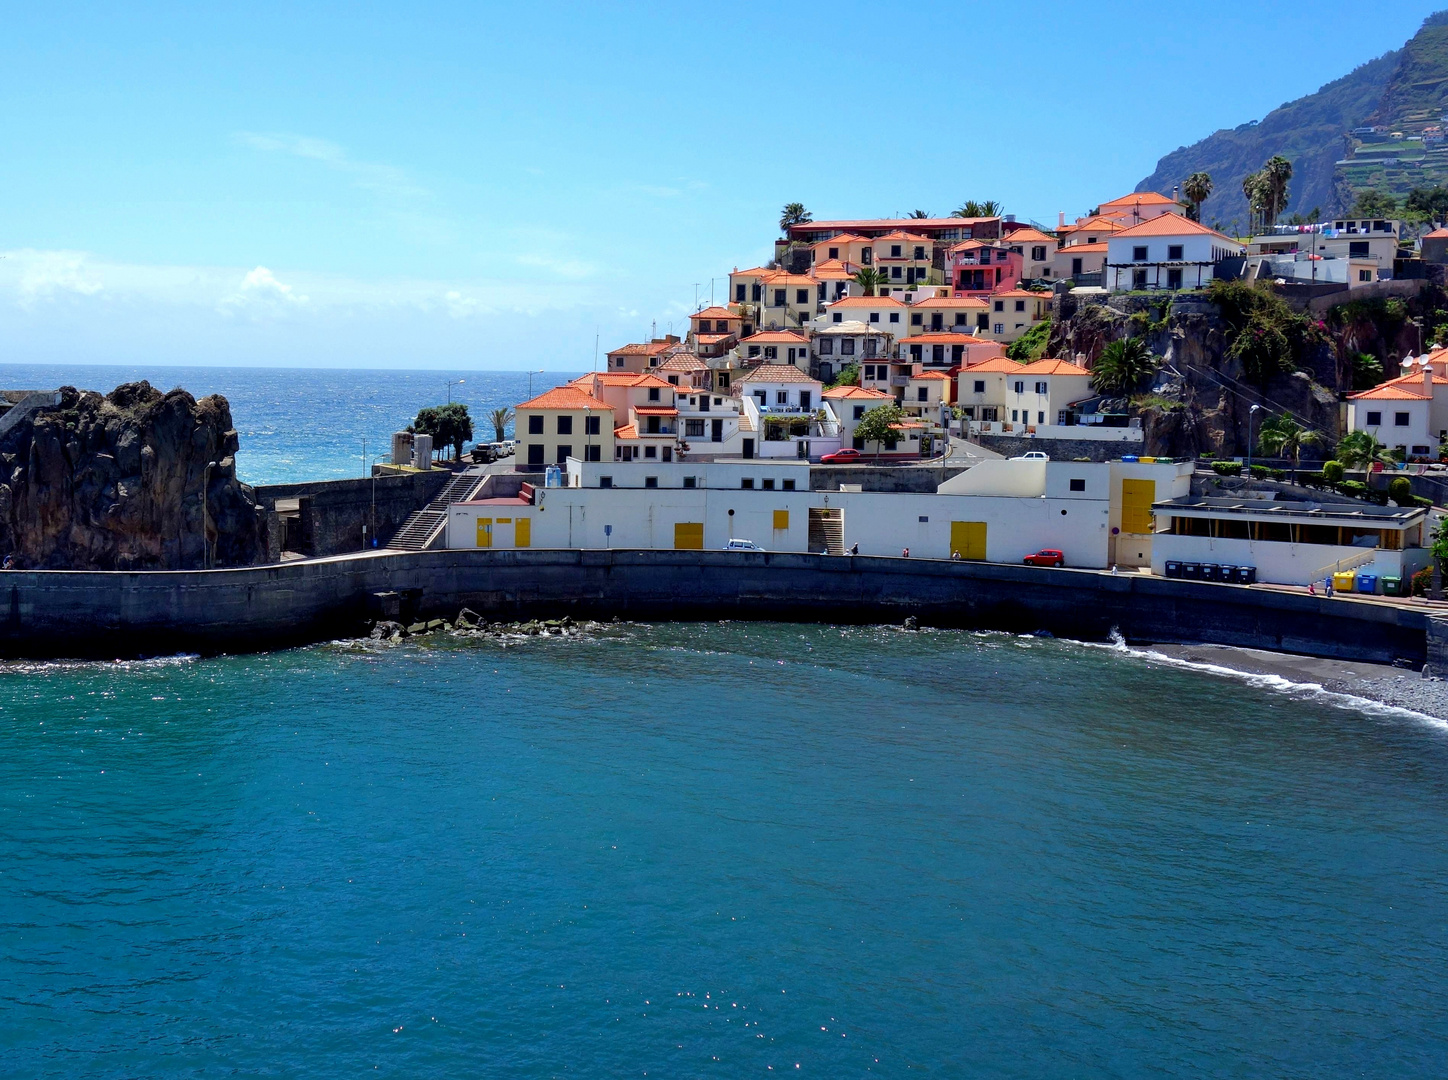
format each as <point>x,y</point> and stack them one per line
<point>333,511</point>
<point>116,614</point>
<point>913,478</point>
<point>1059,449</point>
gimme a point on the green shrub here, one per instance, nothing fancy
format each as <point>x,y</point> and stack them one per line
<point>1356,488</point>
<point>1400,490</point>
<point>1262,472</point>
<point>1418,500</point>
<point>1227,468</point>
<point>1207,454</point>
<point>1312,480</point>
<point>1332,471</point>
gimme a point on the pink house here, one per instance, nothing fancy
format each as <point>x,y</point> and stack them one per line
<point>979,268</point>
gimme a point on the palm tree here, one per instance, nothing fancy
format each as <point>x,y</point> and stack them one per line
<point>870,279</point>
<point>972,209</point>
<point>919,214</point>
<point>1254,188</point>
<point>1122,367</point>
<point>1283,436</point>
<point>1359,449</point>
<point>501,418</point>
<point>1275,175</point>
<point>794,214</point>
<point>1198,189</point>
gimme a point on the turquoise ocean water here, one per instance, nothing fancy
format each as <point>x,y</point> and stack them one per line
<point>714,851</point>
<point>306,423</point>
<point>698,850</point>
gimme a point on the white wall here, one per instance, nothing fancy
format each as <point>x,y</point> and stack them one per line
<point>1279,563</point>
<point>1416,432</point>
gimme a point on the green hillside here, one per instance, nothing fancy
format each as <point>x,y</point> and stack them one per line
<point>1403,93</point>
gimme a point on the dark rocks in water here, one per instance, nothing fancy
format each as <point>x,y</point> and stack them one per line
<point>468,618</point>
<point>386,631</point>
<point>116,483</point>
<point>912,623</point>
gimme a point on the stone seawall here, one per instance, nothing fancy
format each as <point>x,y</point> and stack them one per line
<point>119,614</point>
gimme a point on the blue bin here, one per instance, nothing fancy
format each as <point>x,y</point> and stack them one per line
<point>1246,575</point>
<point>1211,572</point>
<point>1173,568</point>
<point>1129,457</point>
<point>1192,571</point>
<point>1367,583</point>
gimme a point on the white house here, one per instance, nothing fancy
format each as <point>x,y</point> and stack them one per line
<point>1167,252</point>
<point>878,312</point>
<point>784,406</point>
<point>837,345</point>
<point>1409,413</point>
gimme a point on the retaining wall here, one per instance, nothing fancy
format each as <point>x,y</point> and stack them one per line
<point>1059,449</point>
<point>120,614</point>
<point>912,478</point>
<point>333,511</point>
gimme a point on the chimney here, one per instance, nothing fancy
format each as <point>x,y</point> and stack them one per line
<point>1427,377</point>
<point>1060,219</point>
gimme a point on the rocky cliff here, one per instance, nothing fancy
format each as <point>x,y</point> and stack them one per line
<point>136,480</point>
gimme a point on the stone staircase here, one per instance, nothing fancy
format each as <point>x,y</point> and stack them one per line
<point>826,531</point>
<point>422,530</point>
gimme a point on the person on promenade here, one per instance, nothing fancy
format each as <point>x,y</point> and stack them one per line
<point>905,554</point>
<point>854,549</point>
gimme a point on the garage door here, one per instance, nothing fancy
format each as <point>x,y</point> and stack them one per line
<point>1136,499</point>
<point>968,538</point>
<point>689,536</point>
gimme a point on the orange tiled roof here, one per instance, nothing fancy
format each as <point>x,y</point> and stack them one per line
<point>777,373</point>
<point>932,375</point>
<point>623,378</point>
<point>952,302</point>
<point>656,410</point>
<point>941,337</point>
<point>1023,292</point>
<point>715,312</point>
<point>1389,392</point>
<point>650,348</point>
<point>567,396</point>
<point>775,337</point>
<point>1170,225</point>
<point>843,392</point>
<point>1029,235</point>
<point>842,238</point>
<point>626,431</point>
<point>1098,248</point>
<point>711,339</point>
<point>867,301</point>
<point>684,362</point>
<point>1095,223</point>
<point>994,364</point>
<point>1143,198</point>
<point>1053,367</point>
<point>756,271</point>
<point>1436,234</point>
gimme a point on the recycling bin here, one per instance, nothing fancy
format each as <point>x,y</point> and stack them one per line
<point>1367,583</point>
<point>1192,571</point>
<point>1392,585</point>
<point>1246,575</point>
<point>1173,568</point>
<point>1344,580</point>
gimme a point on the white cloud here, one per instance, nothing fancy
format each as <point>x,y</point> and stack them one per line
<point>42,274</point>
<point>374,176</point>
<point>568,269</point>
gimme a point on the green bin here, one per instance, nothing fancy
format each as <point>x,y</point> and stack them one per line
<point>1392,586</point>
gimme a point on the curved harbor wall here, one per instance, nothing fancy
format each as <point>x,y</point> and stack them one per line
<point>122,614</point>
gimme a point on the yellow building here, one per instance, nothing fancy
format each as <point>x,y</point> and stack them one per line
<point>561,423</point>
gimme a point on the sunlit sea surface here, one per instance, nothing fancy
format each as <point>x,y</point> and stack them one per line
<point>300,424</point>
<point>714,851</point>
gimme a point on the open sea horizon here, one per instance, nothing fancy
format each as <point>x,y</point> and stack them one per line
<point>301,424</point>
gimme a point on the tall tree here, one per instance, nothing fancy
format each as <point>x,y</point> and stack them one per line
<point>449,425</point>
<point>1275,176</point>
<point>1198,189</point>
<point>794,214</point>
<point>1359,449</point>
<point>878,424</point>
<point>870,279</point>
<point>1254,187</point>
<point>919,214</point>
<point>973,209</point>
<point>1283,436</point>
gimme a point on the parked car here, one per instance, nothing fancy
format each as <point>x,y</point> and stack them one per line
<point>1034,455</point>
<point>1046,557</point>
<point>742,545</point>
<point>849,455</point>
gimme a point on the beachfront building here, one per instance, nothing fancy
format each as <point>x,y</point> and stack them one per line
<point>1169,252</point>
<point>1290,543</point>
<point>564,422</point>
<point>996,511</point>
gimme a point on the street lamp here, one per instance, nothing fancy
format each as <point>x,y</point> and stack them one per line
<point>450,385</point>
<point>530,382</point>
<point>1250,413</point>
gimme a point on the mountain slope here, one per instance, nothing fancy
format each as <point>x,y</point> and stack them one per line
<point>1308,132</point>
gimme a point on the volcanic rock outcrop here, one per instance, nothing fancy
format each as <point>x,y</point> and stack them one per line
<point>116,483</point>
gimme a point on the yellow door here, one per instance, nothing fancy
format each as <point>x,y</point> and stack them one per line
<point>523,532</point>
<point>781,520</point>
<point>689,535</point>
<point>1136,499</point>
<point>968,538</point>
<point>485,532</point>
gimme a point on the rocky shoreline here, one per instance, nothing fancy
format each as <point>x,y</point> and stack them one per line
<point>474,625</point>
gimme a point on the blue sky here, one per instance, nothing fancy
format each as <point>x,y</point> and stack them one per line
<point>457,185</point>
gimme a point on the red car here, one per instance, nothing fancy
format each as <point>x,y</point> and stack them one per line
<point>1046,557</point>
<point>848,456</point>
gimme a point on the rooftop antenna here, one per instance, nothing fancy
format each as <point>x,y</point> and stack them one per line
<point>696,294</point>
<point>595,348</point>
<point>653,329</point>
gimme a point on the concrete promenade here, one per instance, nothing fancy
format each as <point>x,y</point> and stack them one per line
<point>121,614</point>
